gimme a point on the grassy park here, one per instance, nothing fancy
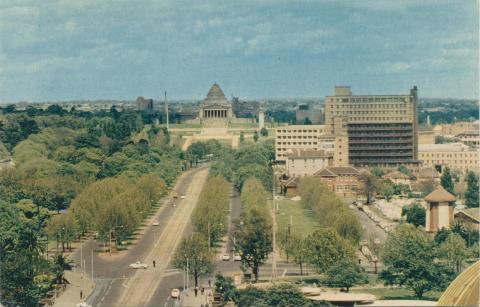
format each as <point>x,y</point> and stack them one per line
<point>303,221</point>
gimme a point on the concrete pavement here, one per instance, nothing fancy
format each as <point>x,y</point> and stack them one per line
<point>71,296</point>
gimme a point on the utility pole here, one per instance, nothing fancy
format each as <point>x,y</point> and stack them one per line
<point>165,107</point>
<point>274,260</point>
<point>110,241</point>
<point>92,262</point>
<point>81,251</point>
<point>208,230</point>
<point>187,273</point>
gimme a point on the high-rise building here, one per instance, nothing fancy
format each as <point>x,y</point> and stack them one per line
<point>380,130</point>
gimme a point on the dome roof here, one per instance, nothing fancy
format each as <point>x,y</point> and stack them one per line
<point>215,92</point>
<point>439,195</point>
<point>464,290</point>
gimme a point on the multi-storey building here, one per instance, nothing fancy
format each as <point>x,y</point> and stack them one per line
<point>307,162</point>
<point>453,155</point>
<point>371,130</point>
<point>470,138</point>
<point>300,137</point>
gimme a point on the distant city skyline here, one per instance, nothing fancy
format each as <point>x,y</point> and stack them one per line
<point>89,50</point>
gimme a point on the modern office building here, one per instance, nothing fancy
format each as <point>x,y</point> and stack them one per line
<point>300,137</point>
<point>373,130</point>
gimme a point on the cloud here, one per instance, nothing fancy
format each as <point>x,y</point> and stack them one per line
<point>390,67</point>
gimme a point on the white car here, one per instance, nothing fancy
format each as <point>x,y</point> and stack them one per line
<point>237,257</point>
<point>226,257</point>
<point>155,223</point>
<point>138,265</point>
<point>83,304</point>
<point>182,197</point>
<point>175,293</point>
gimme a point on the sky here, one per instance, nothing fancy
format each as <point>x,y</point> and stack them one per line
<point>58,50</point>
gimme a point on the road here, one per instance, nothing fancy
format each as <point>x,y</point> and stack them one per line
<point>111,273</point>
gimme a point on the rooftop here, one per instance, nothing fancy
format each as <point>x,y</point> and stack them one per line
<point>439,195</point>
<point>308,153</point>
<point>336,171</point>
<point>449,147</point>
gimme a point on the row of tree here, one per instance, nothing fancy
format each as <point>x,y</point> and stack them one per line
<point>112,207</point>
<point>210,217</point>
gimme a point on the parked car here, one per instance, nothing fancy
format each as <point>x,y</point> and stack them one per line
<point>175,293</point>
<point>182,197</point>
<point>138,265</point>
<point>226,257</point>
<point>237,257</point>
<point>155,223</point>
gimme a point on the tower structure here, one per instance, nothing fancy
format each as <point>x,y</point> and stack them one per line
<point>439,210</point>
<point>165,108</point>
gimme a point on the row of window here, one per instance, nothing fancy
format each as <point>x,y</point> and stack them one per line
<point>295,131</point>
<point>346,188</point>
<point>296,136</point>
<point>295,143</point>
<point>450,161</point>
<point>372,99</point>
<point>448,155</point>
<point>367,112</point>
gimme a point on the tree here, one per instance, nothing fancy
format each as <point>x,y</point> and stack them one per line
<point>255,136</point>
<point>326,248</point>
<point>264,132</point>
<point>468,233</point>
<point>388,191</point>
<point>299,249</point>
<point>225,287</point>
<point>370,185</point>
<point>242,137</point>
<point>64,228</point>
<point>471,196</point>
<point>307,121</point>
<point>454,251</point>
<point>345,274</point>
<point>447,182</point>
<point>414,214</point>
<point>280,295</point>
<point>194,250</point>
<point>253,238</point>
<point>408,256</point>
<point>376,171</point>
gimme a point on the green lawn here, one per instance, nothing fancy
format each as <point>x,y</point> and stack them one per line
<point>397,294</point>
<point>303,221</point>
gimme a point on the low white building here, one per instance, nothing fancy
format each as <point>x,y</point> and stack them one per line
<point>306,162</point>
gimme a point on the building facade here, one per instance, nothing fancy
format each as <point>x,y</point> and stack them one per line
<point>381,130</point>
<point>453,155</point>
<point>344,181</point>
<point>300,137</point>
<point>307,162</point>
<point>470,138</point>
<point>308,114</point>
<point>215,109</point>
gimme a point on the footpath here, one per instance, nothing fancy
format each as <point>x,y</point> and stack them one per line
<point>188,298</point>
<point>77,284</point>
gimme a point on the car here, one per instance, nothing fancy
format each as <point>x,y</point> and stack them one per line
<point>175,293</point>
<point>237,257</point>
<point>83,304</point>
<point>226,257</point>
<point>155,223</point>
<point>182,197</point>
<point>138,265</point>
